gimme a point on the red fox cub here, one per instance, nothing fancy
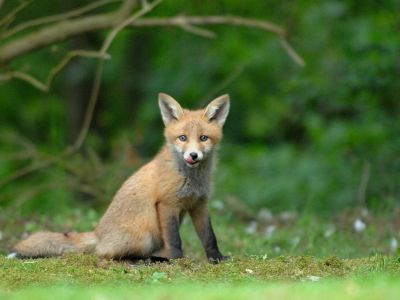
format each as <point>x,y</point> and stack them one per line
<point>144,217</point>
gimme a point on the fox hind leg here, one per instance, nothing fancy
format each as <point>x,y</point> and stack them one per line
<point>120,245</point>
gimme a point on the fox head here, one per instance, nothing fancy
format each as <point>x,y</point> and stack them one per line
<point>193,135</point>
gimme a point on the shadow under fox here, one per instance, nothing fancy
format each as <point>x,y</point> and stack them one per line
<point>144,217</point>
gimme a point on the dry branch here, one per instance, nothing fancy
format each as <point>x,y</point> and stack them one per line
<point>45,86</point>
<point>188,22</point>
<point>9,18</point>
<point>59,17</point>
<point>63,30</point>
<point>210,20</point>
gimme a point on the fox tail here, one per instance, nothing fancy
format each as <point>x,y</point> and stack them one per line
<point>48,244</point>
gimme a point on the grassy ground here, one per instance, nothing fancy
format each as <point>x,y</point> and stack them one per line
<point>279,256</point>
<point>382,288</point>
<point>87,277</point>
<point>284,256</point>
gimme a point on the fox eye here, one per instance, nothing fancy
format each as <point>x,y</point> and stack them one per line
<point>182,138</point>
<point>203,138</point>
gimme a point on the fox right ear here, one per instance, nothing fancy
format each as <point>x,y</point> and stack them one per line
<point>218,110</point>
<point>170,108</point>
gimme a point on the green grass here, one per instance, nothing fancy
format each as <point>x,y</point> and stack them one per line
<point>365,289</point>
<point>87,269</point>
<point>87,277</point>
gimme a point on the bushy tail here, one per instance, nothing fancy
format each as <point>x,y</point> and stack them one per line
<point>47,244</point>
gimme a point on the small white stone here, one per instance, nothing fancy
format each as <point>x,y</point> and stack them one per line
<point>250,271</point>
<point>288,216</point>
<point>295,240</point>
<point>359,225</point>
<point>217,204</point>
<point>265,215</point>
<point>269,230</point>
<point>394,244</point>
<point>330,231</point>
<point>313,278</point>
<point>251,227</point>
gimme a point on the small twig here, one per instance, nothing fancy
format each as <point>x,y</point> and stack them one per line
<point>291,52</point>
<point>59,17</point>
<point>19,197</point>
<point>9,18</point>
<point>23,155</point>
<point>70,55</point>
<point>45,86</point>
<point>195,29</point>
<point>199,31</point>
<point>17,139</point>
<point>224,83</point>
<point>24,77</point>
<point>25,171</point>
<point>37,166</point>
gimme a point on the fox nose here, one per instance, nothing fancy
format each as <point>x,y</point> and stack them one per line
<point>193,155</point>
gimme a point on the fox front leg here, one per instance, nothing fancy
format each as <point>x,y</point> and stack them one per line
<point>169,225</point>
<point>202,223</point>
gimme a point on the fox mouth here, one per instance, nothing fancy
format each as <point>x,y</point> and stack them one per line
<point>191,162</point>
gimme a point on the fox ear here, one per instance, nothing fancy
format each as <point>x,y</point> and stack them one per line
<point>218,110</point>
<point>170,108</point>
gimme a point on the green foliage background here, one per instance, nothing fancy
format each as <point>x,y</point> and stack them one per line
<point>296,138</point>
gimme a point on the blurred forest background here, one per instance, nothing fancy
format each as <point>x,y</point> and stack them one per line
<point>320,139</point>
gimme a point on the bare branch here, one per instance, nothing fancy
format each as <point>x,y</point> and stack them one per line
<point>63,30</point>
<point>23,155</point>
<point>59,17</point>
<point>25,171</point>
<point>45,86</point>
<point>211,20</point>
<point>8,19</point>
<point>223,84</point>
<point>194,29</point>
<point>291,52</point>
<point>24,77</point>
<point>199,31</point>
<point>185,21</point>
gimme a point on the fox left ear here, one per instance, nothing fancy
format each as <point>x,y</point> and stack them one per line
<point>218,110</point>
<point>170,108</point>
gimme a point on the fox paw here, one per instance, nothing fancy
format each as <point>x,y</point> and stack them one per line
<point>218,259</point>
